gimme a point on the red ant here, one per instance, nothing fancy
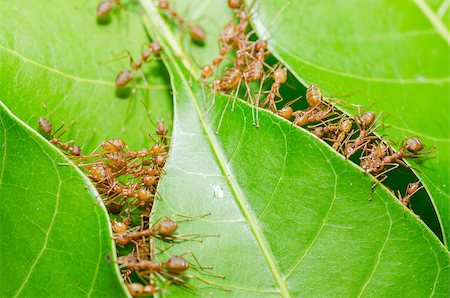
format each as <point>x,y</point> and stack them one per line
<point>173,270</point>
<point>411,189</point>
<point>46,127</point>
<point>197,33</point>
<point>366,126</point>
<point>125,76</point>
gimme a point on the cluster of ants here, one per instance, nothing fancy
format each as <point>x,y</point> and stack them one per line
<point>348,135</point>
<point>127,183</point>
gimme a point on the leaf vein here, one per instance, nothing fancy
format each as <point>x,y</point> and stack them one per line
<point>300,259</point>
<point>47,234</point>
<point>372,273</point>
<point>72,77</point>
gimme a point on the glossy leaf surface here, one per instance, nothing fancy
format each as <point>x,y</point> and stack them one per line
<point>55,238</point>
<point>392,56</point>
<point>59,56</point>
<point>293,217</point>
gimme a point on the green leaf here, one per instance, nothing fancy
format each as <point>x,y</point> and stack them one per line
<point>393,55</point>
<point>50,53</point>
<point>55,239</point>
<point>293,216</point>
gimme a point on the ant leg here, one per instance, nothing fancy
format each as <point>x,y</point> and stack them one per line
<point>212,104</point>
<point>128,55</point>
<point>236,94</point>
<point>187,217</point>
<point>379,181</point>
<point>203,94</point>
<point>223,113</point>
<point>217,286</point>
<point>202,268</point>
<point>252,104</point>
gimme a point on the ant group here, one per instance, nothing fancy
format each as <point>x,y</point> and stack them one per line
<point>46,128</point>
<point>127,182</point>
<point>346,134</point>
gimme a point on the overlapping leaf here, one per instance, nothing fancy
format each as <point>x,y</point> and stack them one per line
<point>54,53</point>
<point>55,238</point>
<point>393,56</point>
<point>293,216</point>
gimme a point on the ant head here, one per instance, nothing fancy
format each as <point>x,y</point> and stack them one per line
<point>286,112</point>
<point>414,145</point>
<point>350,149</point>
<point>161,129</point>
<point>378,167</point>
<point>412,188</point>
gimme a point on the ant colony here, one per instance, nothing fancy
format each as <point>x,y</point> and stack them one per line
<point>348,135</point>
<point>127,179</point>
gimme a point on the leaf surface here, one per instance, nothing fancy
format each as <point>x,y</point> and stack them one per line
<point>55,238</point>
<point>293,217</point>
<point>56,55</point>
<point>391,55</point>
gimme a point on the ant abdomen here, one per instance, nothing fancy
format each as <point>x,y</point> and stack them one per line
<point>367,119</point>
<point>45,126</point>
<point>414,145</point>
<point>234,4</point>
<point>167,227</point>
<point>123,78</point>
<point>113,145</point>
<point>313,95</point>
<point>119,227</point>
<point>198,35</point>
<point>135,289</point>
<point>177,264</point>
<point>104,8</point>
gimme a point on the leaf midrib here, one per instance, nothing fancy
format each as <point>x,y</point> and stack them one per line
<point>92,192</point>
<point>238,195</point>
